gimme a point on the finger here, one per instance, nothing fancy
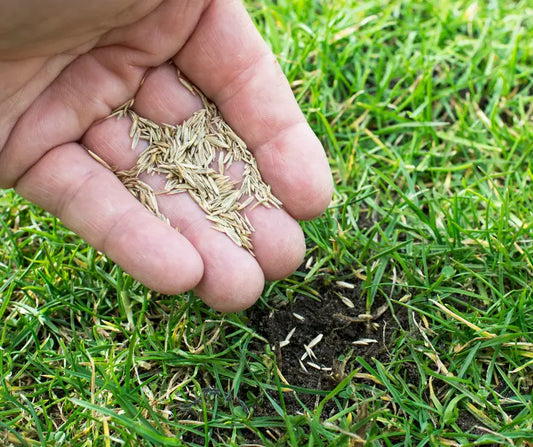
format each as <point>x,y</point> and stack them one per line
<point>278,241</point>
<point>91,201</point>
<point>163,99</point>
<point>230,62</point>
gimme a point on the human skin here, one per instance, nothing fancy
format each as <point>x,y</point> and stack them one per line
<point>62,71</point>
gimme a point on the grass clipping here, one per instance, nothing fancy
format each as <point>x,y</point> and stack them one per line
<point>193,157</point>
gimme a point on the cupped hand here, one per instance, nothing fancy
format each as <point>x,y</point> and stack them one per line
<point>62,71</point>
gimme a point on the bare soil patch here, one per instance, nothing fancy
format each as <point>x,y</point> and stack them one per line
<point>345,330</point>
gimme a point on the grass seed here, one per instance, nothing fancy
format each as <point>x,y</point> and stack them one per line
<point>188,155</point>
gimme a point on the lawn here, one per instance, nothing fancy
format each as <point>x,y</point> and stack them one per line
<point>410,322</point>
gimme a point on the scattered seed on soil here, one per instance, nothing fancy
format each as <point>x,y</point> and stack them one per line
<point>315,341</point>
<point>345,284</point>
<point>290,334</point>
<point>308,353</point>
<point>287,339</point>
<point>347,302</point>
<point>309,347</point>
<point>320,368</point>
<point>193,157</point>
<point>364,341</point>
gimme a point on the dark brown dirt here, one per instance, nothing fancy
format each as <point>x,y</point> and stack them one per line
<point>340,325</point>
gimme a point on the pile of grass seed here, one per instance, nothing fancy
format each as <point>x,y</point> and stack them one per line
<point>194,157</point>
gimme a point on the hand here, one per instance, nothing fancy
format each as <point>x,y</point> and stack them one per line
<point>62,71</point>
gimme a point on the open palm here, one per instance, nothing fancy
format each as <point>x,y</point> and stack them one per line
<point>54,101</point>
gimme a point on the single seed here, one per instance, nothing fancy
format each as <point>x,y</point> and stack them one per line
<point>315,341</point>
<point>345,284</point>
<point>289,335</point>
<point>347,302</point>
<point>99,160</point>
<point>364,341</point>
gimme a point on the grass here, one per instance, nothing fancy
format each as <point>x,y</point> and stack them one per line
<point>426,110</point>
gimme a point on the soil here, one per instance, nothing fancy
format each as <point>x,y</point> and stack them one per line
<point>338,323</point>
